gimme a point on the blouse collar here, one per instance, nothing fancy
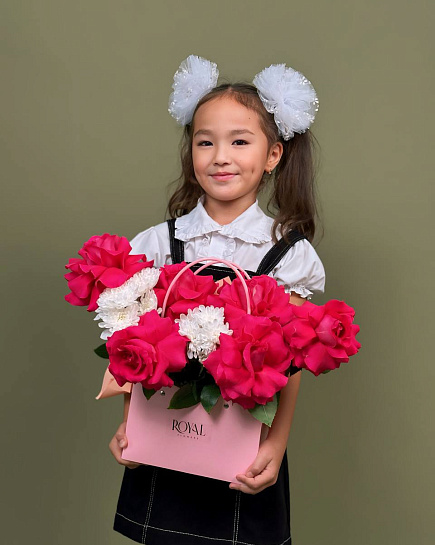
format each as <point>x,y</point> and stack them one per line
<point>251,226</point>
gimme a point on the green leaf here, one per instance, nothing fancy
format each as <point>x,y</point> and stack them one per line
<point>183,398</point>
<point>209,396</point>
<point>195,392</point>
<point>148,393</point>
<point>326,371</point>
<point>102,351</point>
<point>265,413</point>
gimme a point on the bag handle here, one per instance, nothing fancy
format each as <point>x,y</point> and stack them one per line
<point>238,271</point>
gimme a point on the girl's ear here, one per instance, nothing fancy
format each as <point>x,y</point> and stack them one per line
<point>275,155</point>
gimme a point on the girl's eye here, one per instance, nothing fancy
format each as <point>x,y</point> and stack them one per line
<point>208,143</point>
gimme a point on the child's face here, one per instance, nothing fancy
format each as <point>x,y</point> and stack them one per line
<point>229,151</point>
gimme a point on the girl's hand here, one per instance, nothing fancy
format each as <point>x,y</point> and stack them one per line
<point>263,472</point>
<point>118,442</point>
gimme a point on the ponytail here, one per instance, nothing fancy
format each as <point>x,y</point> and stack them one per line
<point>294,191</point>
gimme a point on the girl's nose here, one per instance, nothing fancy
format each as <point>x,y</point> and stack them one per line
<point>221,156</point>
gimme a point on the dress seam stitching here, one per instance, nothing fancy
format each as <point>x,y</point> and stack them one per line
<point>235,522</point>
<point>238,516</point>
<point>238,542</point>
<point>150,504</point>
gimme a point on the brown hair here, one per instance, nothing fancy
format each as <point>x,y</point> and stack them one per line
<point>293,194</point>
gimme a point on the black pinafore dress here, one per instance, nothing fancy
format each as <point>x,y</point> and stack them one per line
<point>159,506</point>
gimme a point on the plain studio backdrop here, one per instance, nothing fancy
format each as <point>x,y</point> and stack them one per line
<point>88,147</point>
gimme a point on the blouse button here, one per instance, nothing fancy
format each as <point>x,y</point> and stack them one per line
<point>230,247</point>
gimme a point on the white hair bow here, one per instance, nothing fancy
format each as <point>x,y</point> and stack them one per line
<point>284,92</point>
<point>289,96</point>
<point>194,78</point>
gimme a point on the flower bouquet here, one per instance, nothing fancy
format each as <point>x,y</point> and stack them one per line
<point>206,346</point>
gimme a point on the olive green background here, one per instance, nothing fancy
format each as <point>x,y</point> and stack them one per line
<point>88,147</point>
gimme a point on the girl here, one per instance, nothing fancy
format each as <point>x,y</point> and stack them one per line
<point>235,137</point>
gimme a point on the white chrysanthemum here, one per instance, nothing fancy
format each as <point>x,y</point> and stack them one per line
<point>202,326</point>
<point>288,95</point>
<point>148,302</point>
<point>123,296</point>
<point>115,319</point>
<point>145,280</point>
<point>122,307</point>
<point>194,78</point>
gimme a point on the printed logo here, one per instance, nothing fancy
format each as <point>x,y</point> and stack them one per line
<point>187,429</point>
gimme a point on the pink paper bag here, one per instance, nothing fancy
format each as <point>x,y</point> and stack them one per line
<point>217,445</point>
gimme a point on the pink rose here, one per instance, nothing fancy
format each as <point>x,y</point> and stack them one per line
<point>189,291</point>
<point>267,298</point>
<point>146,353</point>
<point>322,337</point>
<point>105,263</point>
<point>249,366</point>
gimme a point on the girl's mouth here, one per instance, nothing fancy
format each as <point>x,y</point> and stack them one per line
<point>223,176</point>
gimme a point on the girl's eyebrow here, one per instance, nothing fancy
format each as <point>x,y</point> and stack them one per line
<point>232,133</point>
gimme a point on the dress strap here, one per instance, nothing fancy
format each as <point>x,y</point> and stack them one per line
<point>278,251</point>
<point>177,246</point>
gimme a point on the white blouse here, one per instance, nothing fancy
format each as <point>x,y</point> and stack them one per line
<point>244,241</point>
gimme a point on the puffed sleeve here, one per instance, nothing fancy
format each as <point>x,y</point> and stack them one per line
<point>301,270</point>
<point>154,243</point>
